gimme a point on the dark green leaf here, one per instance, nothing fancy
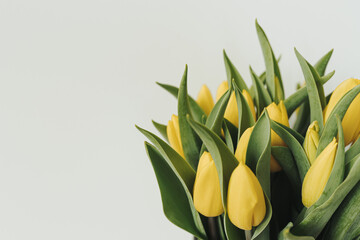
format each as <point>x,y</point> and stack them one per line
<point>177,201</point>
<point>173,158</point>
<point>321,65</point>
<point>353,151</point>
<point>162,129</point>
<point>190,142</point>
<point>233,73</point>
<point>285,234</point>
<point>262,97</point>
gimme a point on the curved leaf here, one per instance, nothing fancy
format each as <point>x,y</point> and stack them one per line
<point>316,113</point>
<point>182,167</point>
<point>233,74</point>
<point>340,109</point>
<point>321,65</point>
<point>262,97</point>
<point>298,152</point>
<point>190,142</point>
<point>196,110</point>
<point>352,151</point>
<point>162,129</point>
<point>177,201</point>
<point>285,234</point>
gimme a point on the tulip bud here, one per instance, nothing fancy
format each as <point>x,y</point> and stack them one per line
<point>207,193</point>
<point>245,200</point>
<point>277,113</point>
<point>311,141</point>
<point>351,120</point>
<point>318,174</point>
<point>173,133</point>
<point>205,99</point>
<point>241,148</point>
<point>231,112</point>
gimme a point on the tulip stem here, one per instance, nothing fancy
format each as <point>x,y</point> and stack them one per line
<point>248,234</point>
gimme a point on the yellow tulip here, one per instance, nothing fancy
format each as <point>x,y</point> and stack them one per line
<point>351,120</point>
<point>311,141</point>
<point>277,113</point>
<point>205,99</point>
<point>173,134</point>
<point>241,148</point>
<point>231,112</point>
<point>207,194</point>
<point>318,174</point>
<point>245,200</point>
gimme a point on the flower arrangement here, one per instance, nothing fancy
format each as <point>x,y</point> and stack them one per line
<point>235,169</point>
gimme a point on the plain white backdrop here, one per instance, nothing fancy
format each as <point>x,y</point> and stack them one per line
<point>76,76</point>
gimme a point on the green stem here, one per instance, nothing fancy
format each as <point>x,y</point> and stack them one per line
<point>248,234</point>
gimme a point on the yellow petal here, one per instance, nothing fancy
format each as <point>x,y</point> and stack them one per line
<point>250,102</point>
<point>224,86</point>
<point>173,133</point>
<point>352,116</point>
<point>241,148</point>
<point>311,141</point>
<point>205,99</point>
<point>245,200</point>
<point>318,174</point>
<point>207,194</point>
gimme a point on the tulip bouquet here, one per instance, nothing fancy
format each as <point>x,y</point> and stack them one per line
<point>235,169</point>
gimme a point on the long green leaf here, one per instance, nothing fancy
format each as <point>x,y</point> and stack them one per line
<point>321,65</point>
<point>352,151</point>
<point>272,68</point>
<point>182,167</point>
<point>233,74</point>
<point>162,129</point>
<point>190,142</point>
<point>262,97</point>
<point>316,113</point>
<point>177,201</point>
<point>298,152</point>
<point>285,234</point>
<point>196,110</point>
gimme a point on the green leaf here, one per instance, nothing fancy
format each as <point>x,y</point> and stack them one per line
<point>233,73</point>
<point>246,118</point>
<point>297,151</point>
<point>182,167</point>
<point>286,160</point>
<point>311,75</point>
<point>177,201</point>
<point>162,129</point>
<point>294,133</point>
<point>285,234</point>
<point>337,173</point>
<point>340,109</point>
<point>228,137</point>
<point>190,142</point>
<point>345,223</point>
<point>225,163</point>
<point>272,67</point>
<point>216,117</point>
<point>321,65</point>
<point>262,97</point>
<point>303,118</point>
<point>258,159</point>
<point>196,110</point>
<point>232,232</point>
<point>315,221</point>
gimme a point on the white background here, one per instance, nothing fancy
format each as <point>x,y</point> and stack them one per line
<point>75,76</point>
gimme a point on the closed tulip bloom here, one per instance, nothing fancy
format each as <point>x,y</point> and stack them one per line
<point>243,143</point>
<point>277,113</point>
<point>173,133</point>
<point>318,174</point>
<point>311,141</point>
<point>231,112</point>
<point>245,200</point>
<point>205,99</point>
<point>351,120</point>
<point>207,194</point>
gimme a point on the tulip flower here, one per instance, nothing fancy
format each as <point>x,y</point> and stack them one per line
<point>231,112</point>
<point>351,120</point>
<point>205,99</point>
<point>241,148</point>
<point>245,199</point>
<point>207,193</point>
<point>277,113</point>
<point>318,174</point>
<point>173,134</point>
<point>311,141</point>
